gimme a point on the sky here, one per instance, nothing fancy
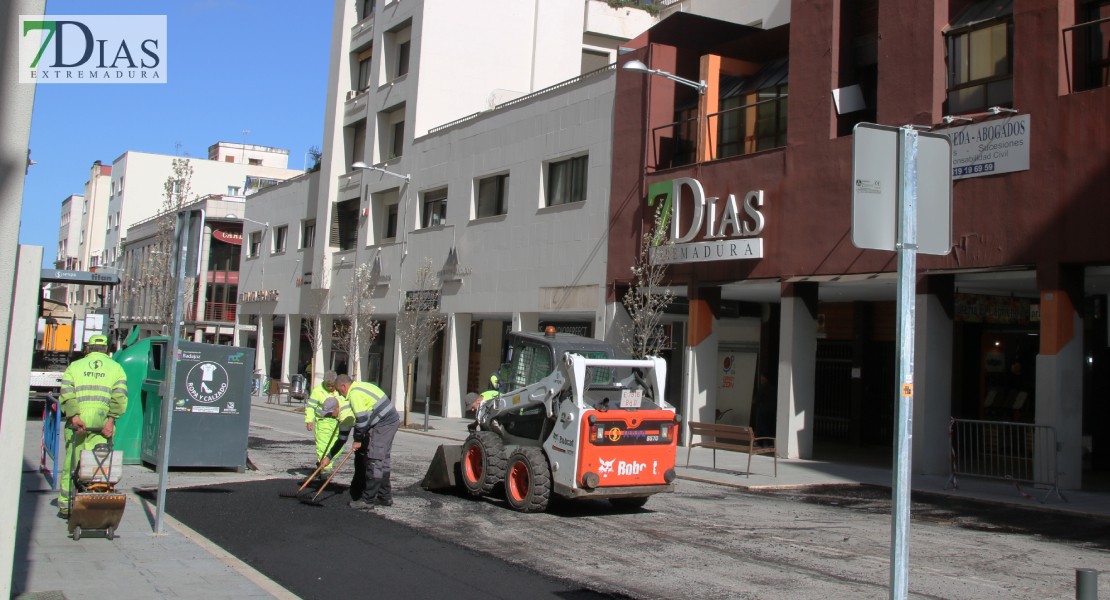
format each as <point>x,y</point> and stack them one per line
<point>232,66</point>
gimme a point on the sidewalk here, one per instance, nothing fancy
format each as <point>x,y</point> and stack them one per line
<point>182,564</point>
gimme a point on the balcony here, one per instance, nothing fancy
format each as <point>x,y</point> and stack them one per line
<point>362,34</point>
<point>222,312</point>
<point>737,131</point>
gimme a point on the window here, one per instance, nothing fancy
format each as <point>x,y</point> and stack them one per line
<point>258,183</point>
<point>1092,46</point>
<point>356,136</point>
<point>391,222</point>
<point>566,181</point>
<point>593,60</point>
<point>753,111</point>
<point>529,365</point>
<point>254,162</point>
<point>233,190</point>
<point>980,58</point>
<point>493,196</point>
<point>435,208</point>
<point>363,72</point>
<point>403,59</point>
<point>308,233</point>
<point>344,225</point>
<point>398,140</point>
<point>859,63</point>
<point>391,133</point>
<point>280,235</point>
<point>254,244</point>
<point>365,9</point>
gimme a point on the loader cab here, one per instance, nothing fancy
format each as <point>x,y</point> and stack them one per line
<point>534,357</point>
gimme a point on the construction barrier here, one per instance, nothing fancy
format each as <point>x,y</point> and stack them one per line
<point>51,457</point>
<point>1015,452</point>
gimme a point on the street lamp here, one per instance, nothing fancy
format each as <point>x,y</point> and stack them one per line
<point>365,167</point>
<point>640,67</point>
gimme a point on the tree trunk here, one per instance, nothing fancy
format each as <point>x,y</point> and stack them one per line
<point>408,393</point>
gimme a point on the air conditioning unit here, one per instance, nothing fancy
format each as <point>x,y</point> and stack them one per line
<point>351,95</point>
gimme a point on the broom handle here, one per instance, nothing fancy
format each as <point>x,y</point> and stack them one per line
<point>341,463</point>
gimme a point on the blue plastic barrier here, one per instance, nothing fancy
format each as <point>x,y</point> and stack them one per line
<point>51,458</point>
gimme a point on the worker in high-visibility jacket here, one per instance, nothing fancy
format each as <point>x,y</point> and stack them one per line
<point>376,424</point>
<point>325,424</point>
<point>93,396</point>
<point>490,394</point>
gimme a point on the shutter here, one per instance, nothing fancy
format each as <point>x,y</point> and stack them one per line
<point>333,232</point>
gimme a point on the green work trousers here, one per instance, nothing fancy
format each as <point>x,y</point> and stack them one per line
<point>75,443</point>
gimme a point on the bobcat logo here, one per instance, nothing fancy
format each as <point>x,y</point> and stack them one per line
<point>606,466</point>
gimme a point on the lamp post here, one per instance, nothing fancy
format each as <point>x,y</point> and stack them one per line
<point>640,67</point>
<point>360,165</point>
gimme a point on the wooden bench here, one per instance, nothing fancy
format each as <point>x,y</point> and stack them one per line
<point>735,438</point>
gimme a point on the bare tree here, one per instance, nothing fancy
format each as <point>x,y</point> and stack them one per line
<point>418,323</point>
<point>151,286</point>
<point>358,304</point>
<point>648,296</point>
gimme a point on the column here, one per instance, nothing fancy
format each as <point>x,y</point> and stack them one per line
<point>699,376</point>
<point>1059,394</point>
<point>291,331</point>
<point>264,341</point>
<point>932,375</point>
<point>797,370</point>
<point>205,245</point>
<point>526,321</point>
<point>455,358</point>
<point>400,372</point>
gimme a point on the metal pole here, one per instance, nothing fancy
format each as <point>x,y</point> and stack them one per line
<point>1086,584</point>
<point>183,223</point>
<point>427,399</point>
<point>907,270</point>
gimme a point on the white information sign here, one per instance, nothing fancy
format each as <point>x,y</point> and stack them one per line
<point>989,148</point>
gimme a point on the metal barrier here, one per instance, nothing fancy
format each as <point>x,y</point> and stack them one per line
<point>1016,452</point>
<point>51,459</point>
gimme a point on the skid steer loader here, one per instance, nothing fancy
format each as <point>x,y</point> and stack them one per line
<point>571,421</point>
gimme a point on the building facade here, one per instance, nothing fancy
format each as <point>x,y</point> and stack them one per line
<point>1010,321</point>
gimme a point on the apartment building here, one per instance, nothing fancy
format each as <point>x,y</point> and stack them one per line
<point>1011,322</point>
<point>78,248</point>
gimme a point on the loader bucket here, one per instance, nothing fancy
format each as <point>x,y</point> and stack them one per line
<point>96,511</point>
<point>444,472</point>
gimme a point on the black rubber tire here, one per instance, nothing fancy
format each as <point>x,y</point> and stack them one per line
<point>76,533</point>
<point>110,533</point>
<point>482,462</point>
<point>629,503</point>
<point>528,480</point>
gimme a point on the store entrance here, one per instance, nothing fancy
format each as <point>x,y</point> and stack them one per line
<point>996,378</point>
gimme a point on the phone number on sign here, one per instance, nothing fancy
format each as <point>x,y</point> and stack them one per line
<point>968,170</point>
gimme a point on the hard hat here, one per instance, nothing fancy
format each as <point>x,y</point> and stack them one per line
<point>98,340</point>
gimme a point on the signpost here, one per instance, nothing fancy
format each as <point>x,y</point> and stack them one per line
<point>895,170</point>
<point>189,222</point>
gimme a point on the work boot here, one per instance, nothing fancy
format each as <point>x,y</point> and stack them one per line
<point>63,512</point>
<point>361,505</point>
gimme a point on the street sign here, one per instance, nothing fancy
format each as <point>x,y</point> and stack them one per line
<point>875,184</point>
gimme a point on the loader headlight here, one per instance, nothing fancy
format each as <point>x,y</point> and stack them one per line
<point>590,480</point>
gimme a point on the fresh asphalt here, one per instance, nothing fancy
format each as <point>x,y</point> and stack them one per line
<point>333,551</point>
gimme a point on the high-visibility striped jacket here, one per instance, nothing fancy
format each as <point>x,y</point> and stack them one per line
<point>371,406</point>
<point>94,388</point>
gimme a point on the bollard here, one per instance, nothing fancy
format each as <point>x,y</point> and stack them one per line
<point>426,401</point>
<point>1086,584</point>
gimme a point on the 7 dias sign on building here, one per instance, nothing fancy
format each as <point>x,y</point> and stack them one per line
<point>92,49</point>
<point>701,236</point>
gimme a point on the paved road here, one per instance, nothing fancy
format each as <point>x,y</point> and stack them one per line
<point>705,541</point>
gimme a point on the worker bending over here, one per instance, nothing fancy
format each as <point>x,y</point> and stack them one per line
<point>376,423</point>
<point>324,421</point>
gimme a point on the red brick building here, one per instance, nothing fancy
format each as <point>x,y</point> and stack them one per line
<point>1011,324</point>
